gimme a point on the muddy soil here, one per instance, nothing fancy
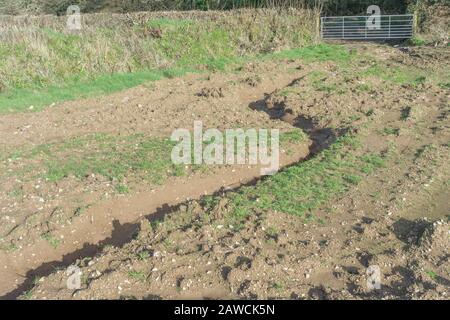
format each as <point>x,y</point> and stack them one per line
<point>83,215</point>
<point>396,218</point>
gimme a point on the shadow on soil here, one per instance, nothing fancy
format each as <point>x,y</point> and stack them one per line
<point>409,231</point>
<point>322,137</point>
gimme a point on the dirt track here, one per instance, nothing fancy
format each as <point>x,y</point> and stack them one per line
<point>397,217</point>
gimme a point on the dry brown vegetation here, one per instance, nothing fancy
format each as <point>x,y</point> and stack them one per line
<point>110,43</point>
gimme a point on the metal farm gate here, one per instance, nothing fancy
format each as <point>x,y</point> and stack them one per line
<point>367,27</point>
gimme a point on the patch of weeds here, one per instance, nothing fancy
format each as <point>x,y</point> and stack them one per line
<point>51,239</point>
<point>20,99</point>
<point>174,73</point>
<point>178,171</point>
<point>167,243</point>
<point>416,41</point>
<point>391,131</point>
<point>272,232</point>
<point>293,136</point>
<point>370,112</point>
<point>85,280</point>
<point>372,162</point>
<point>318,80</point>
<point>209,202</point>
<point>112,157</point>
<point>376,195</point>
<point>398,75</point>
<point>419,80</point>
<point>317,75</point>
<point>137,275</point>
<point>80,210</point>
<point>287,91</point>
<point>321,52</point>
<point>108,247</point>
<point>143,255</point>
<point>405,113</point>
<point>354,118</point>
<point>122,189</point>
<point>16,193</point>
<point>27,295</point>
<point>363,87</point>
<point>194,44</point>
<point>353,178</point>
<point>277,286</point>
<point>433,275</point>
<point>156,223</point>
<point>429,148</point>
<point>328,88</point>
<point>444,85</point>
<point>168,23</point>
<point>11,247</point>
<point>36,280</point>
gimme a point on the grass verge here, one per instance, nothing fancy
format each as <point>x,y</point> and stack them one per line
<point>17,100</point>
<point>41,62</point>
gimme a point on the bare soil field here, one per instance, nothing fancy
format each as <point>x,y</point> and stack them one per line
<point>365,138</point>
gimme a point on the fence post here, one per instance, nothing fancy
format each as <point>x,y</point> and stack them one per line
<point>343,27</point>
<point>415,23</point>
<point>389,27</point>
<point>321,27</point>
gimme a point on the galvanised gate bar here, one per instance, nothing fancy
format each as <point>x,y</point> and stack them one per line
<point>361,27</point>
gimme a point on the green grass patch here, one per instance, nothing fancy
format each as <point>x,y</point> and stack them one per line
<point>433,275</point>
<point>444,85</point>
<point>51,239</point>
<point>144,255</point>
<point>405,113</point>
<point>293,136</point>
<point>116,158</point>
<point>391,131</point>
<point>416,41</point>
<point>363,87</point>
<point>17,100</point>
<point>319,82</point>
<point>191,44</point>
<point>113,157</point>
<point>137,275</point>
<point>302,188</point>
<point>321,52</point>
<point>397,75</point>
<point>194,60</point>
<point>121,188</point>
